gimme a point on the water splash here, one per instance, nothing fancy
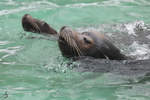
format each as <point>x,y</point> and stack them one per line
<point>141,51</point>
<point>131,27</point>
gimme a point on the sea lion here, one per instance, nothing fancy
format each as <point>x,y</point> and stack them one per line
<point>75,44</point>
<point>31,24</point>
<point>93,44</point>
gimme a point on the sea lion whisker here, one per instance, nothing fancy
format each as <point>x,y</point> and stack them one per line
<point>65,36</point>
<point>38,28</point>
<point>68,38</point>
<point>62,35</point>
<point>35,26</point>
<point>74,50</point>
<point>74,47</point>
<point>77,48</point>
<point>72,43</point>
<point>79,51</point>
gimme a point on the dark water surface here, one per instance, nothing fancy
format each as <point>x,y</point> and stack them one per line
<point>33,69</point>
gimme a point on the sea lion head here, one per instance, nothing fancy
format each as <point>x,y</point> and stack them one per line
<point>74,44</point>
<point>31,24</point>
<point>93,44</point>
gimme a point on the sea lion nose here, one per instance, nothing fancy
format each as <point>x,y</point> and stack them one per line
<point>26,17</point>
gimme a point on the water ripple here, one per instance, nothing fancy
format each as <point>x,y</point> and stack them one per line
<point>122,2</point>
<point>9,2</point>
<point>82,4</point>
<point>28,6</point>
<point>4,42</point>
<point>10,51</point>
<point>34,5</point>
<point>7,52</point>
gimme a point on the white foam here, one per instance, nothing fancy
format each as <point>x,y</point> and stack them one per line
<point>141,51</point>
<point>131,27</point>
<point>148,36</point>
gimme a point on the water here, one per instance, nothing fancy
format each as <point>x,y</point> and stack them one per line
<point>34,68</point>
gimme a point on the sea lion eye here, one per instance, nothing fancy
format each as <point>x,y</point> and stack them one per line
<point>86,40</point>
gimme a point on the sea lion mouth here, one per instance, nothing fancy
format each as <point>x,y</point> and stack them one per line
<point>68,39</point>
